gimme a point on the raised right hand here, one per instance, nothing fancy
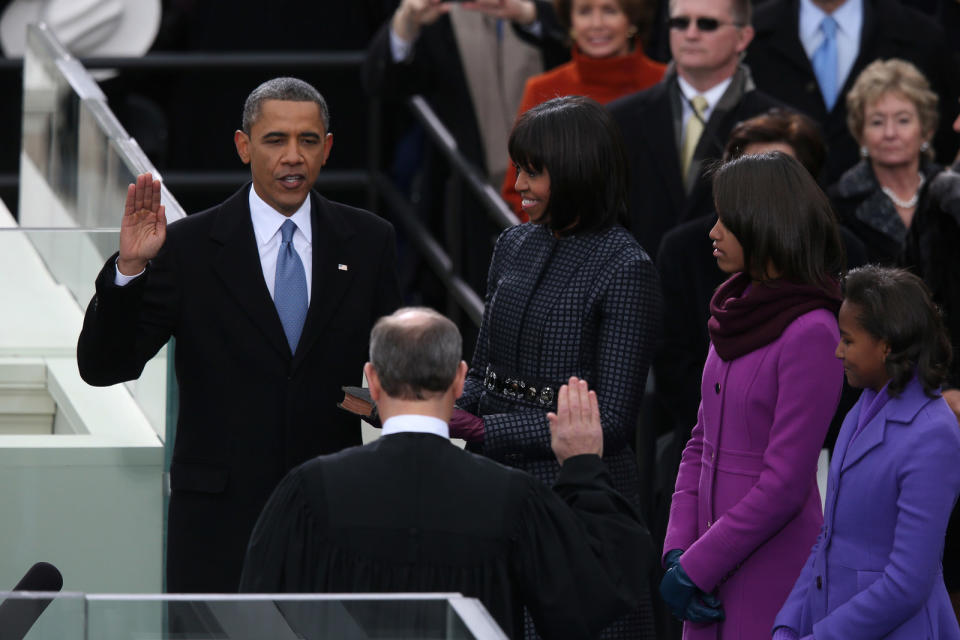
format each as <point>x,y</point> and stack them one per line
<point>411,15</point>
<point>575,428</point>
<point>143,228</point>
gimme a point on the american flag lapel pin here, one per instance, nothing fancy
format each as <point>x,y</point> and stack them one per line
<point>343,267</point>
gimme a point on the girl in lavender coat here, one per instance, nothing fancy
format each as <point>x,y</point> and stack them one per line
<point>746,507</point>
<point>875,570</point>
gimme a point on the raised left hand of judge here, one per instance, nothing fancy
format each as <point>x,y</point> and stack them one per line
<point>575,428</point>
<point>523,12</point>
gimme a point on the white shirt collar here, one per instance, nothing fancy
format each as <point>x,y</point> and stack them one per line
<point>712,95</point>
<point>413,423</point>
<point>849,17</point>
<point>267,220</point>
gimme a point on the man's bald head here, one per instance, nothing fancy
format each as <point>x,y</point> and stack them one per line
<point>415,352</point>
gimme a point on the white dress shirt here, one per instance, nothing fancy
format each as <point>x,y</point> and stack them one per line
<point>711,95</point>
<point>849,17</point>
<point>413,423</point>
<point>266,228</point>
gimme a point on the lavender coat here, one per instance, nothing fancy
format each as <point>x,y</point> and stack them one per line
<point>875,570</point>
<point>746,507</point>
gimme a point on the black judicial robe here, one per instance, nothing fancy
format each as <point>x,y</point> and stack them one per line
<point>411,512</point>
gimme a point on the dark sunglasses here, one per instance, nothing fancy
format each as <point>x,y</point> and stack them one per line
<point>682,23</point>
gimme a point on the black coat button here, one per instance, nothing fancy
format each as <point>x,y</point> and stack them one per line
<point>716,387</point>
<point>819,582</point>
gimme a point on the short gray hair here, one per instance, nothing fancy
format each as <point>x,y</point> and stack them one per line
<point>415,351</point>
<point>291,89</point>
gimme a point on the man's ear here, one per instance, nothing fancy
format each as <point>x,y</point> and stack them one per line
<point>459,379</point>
<point>373,382</point>
<point>242,142</point>
<point>746,37</point>
<point>328,144</point>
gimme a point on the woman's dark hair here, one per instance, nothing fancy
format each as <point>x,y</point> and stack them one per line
<point>781,218</point>
<point>798,131</point>
<point>581,148</point>
<point>895,306</point>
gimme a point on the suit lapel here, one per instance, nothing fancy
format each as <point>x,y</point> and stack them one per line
<point>658,127</point>
<point>237,264</point>
<point>867,52</point>
<point>332,270</point>
<point>787,42</point>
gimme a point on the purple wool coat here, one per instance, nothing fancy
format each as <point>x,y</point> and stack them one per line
<point>746,508</point>
<point>875,571</point>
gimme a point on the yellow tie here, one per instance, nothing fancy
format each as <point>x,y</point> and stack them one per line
<point>692,132</point>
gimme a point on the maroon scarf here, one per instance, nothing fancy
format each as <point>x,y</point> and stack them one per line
<point>740,323</point>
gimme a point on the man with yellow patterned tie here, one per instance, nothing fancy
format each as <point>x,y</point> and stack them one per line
<point>675,128</point>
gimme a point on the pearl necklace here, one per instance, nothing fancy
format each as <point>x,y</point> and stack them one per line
<point>905,204</point>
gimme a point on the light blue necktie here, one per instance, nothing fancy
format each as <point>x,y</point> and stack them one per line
<point>825,62</point>
<point>290,287</point>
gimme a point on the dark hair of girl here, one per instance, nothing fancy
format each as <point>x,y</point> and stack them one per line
<point>581,148</point>
<point>895,306</point>
<point>781,218</point>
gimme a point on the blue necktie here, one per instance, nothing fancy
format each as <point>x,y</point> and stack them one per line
<point>825,62</point>
<point>290,287</point>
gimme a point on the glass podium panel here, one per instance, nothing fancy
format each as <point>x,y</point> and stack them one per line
<point>75,165</point>
<point>81,467</point>
<point>35,616</point>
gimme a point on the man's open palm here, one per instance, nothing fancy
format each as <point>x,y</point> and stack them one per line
<point>143,228</point>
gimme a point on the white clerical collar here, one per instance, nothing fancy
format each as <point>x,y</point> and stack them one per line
<point>412,423</point>
<point>267,220</point>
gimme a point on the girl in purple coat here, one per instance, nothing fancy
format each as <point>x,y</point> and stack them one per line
<point>875,570</point>
<point>746,507</point>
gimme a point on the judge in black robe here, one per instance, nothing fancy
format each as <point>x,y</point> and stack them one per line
<point>411,512</point>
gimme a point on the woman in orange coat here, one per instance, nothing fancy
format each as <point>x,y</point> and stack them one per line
<point>607,61</point>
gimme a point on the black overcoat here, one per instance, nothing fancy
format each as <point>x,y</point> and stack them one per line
<point>249,410</point>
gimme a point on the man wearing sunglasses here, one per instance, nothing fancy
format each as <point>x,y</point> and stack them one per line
<point>674,129</point>
<point>808,53</point>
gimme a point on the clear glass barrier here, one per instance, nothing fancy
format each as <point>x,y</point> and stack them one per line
<point>81,468</point>
<point>247,617</point>
<point>75,165</point>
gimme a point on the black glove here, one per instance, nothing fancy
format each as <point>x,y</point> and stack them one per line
<point>677,590</point>
<point>685,599</point>
<point>704,607</point>
<point>672,558</point>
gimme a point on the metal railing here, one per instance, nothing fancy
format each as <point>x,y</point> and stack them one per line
<point>443,257</point>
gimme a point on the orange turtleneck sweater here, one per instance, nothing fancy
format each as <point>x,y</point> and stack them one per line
<point>603,79</point>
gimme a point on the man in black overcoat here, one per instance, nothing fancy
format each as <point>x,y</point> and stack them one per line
<point>411,512</point>
<point>707,39</point>
<point>258,386</point>
<point>782,67</point>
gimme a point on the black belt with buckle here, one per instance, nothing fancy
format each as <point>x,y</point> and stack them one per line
<point>544,394</point>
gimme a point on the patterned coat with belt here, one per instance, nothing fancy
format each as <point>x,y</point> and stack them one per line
<point>586,305</point>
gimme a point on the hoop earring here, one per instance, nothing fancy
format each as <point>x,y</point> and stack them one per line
<point>863,152</point>
<point>632,32</point>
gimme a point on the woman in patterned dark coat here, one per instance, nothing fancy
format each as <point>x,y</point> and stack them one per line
<point>570,293</point>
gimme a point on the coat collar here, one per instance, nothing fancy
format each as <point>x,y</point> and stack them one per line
<point>237,263</point>
<point>901,409</point>
<point>875,209</point>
